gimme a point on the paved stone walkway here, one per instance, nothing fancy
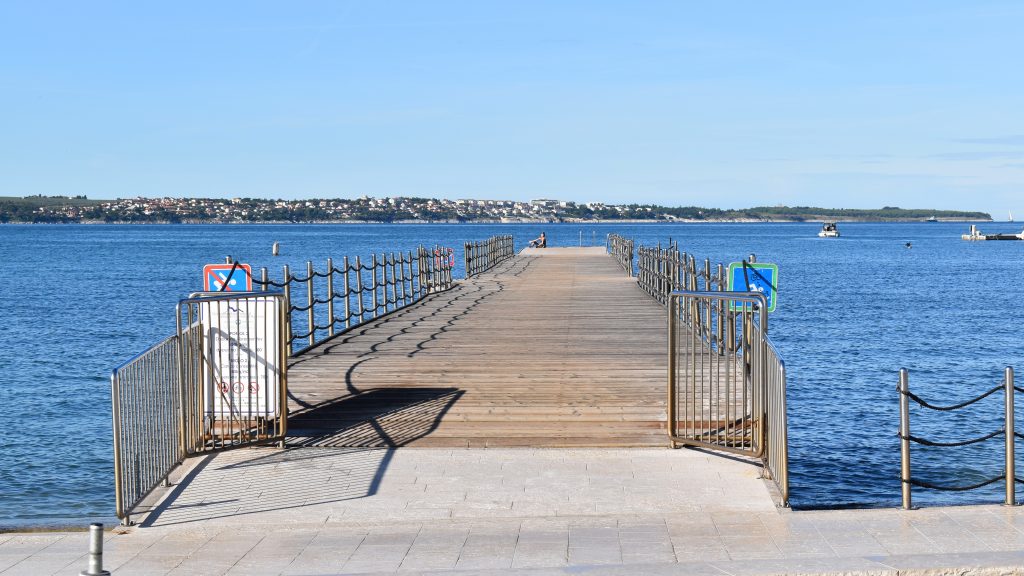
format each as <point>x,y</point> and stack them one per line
<point>515,511</point>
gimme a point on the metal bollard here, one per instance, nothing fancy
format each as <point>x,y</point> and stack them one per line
<point>95,552</point>
<point>905,437</point>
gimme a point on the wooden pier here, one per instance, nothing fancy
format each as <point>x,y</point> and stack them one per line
<point>552,348</point>
<point>976,235</point>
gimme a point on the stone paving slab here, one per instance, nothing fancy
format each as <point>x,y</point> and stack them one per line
<point>507,511</point>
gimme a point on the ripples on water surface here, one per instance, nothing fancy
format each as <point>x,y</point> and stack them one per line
<point>79,300</point>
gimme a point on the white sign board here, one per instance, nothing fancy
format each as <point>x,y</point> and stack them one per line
<point>241,356</point>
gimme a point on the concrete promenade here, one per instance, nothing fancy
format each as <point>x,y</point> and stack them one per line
<point>515,511</point>
<point>409,454</point>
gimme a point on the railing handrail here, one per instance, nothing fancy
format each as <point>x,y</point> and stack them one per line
<point>760,378</point>
<point>483,255</point>
<point>667,273</point>
<point>622,250</point>
<point>162,400</point>
<point>397,280</point>
<point>130,490</point>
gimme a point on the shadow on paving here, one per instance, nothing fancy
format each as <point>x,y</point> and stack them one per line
<point>336,452</point>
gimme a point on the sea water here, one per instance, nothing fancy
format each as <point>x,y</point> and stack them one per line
<point>78,300</point>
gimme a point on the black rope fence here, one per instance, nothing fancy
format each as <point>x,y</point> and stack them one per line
<point>947,488</point>
<point>926,442</point>
<point>964,404</point>
<point>484,255</point>
<point>362,290</point>
<point>1007,432</point>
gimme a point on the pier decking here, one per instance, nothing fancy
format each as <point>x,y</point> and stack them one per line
<point>553,348</point>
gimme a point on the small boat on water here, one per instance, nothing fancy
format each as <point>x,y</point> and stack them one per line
<point>932,219</point>
<point>829,230</point>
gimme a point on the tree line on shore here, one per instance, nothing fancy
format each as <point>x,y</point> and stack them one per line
<point>62,209</point>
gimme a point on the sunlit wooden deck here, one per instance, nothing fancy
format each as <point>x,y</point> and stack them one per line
<point>554,347</point>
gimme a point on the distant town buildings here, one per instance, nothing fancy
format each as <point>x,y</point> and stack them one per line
<point>363,209</point>
<point>411,209</point>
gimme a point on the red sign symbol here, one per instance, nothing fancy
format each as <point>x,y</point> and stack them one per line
<point>220,278</point>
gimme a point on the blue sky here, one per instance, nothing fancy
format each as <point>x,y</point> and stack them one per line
<point>725,104</point>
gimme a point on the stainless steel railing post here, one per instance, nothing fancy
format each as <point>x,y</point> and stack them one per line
<point>310,314</point>
<point>287,305</point>
<point>330,297</point>
<point>359,294</point>
<point>394,285</point>
<point>348,294</point>
<point>671,405</point>
<point>905,438</point>
<point>1011,496</point>
<point>373,272</point>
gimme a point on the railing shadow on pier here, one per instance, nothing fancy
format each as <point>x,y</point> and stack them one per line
<point>378,418</point>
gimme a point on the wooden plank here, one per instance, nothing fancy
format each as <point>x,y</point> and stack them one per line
<point>555,349</point>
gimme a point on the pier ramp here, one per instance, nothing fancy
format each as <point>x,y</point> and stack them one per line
<point>553,348</point>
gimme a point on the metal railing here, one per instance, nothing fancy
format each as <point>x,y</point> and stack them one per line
<point>146,398</point>
<point>622,250</point>
<point>1007,432</point>
<point>356,292</point>
<point>220,381</point>
<point>484,255</point>
<point>726,382</point>
<point>660,271</point>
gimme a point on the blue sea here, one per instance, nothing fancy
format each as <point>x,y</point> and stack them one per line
<point>80,299</point>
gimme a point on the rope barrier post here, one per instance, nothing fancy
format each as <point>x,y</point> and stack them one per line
<point>287,305</point>
<point>373,272</point>
<point>330,296</point>
<point>359,294</point>
<point>401,279</point>
<point>420,273</point>
<point>348,305</point>
<point>310,316</point>
<point>394,284</point>
<point>263,279</point>
<point>412,278</point>
<point>1011,483</point>
<point>905,437</point>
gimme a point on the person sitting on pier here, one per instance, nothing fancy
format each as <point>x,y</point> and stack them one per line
<point>540,242</point>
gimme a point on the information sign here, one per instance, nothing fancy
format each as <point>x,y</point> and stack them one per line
<point>242,353</point>
<point>227,278</point>
<point>755,277</point>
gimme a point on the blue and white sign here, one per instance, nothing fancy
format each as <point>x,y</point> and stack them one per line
<point>755,277</point>
<point>227,278</point>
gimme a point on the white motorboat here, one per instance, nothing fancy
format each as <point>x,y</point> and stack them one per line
<point>829,230</point>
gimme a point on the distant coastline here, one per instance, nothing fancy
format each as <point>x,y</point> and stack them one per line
<point>406,210</point>
<point>476,222</point>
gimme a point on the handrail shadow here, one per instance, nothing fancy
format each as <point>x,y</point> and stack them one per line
<point>377,418</point>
